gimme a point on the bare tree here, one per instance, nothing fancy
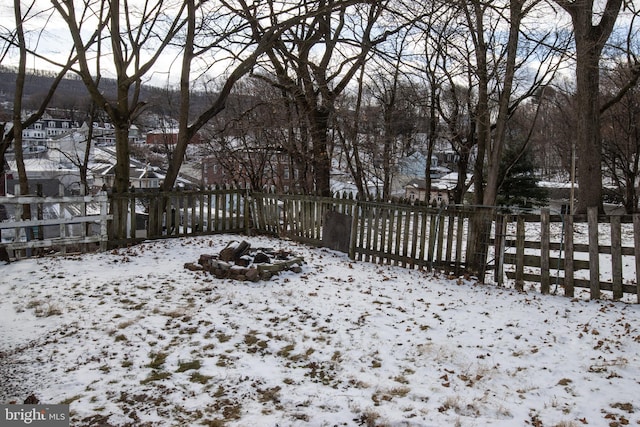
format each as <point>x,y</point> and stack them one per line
<point>621,139</point>
<point>498,74</point>
<point>132,31</point>
<point>316,60</point>
<point>15,39</point>
<point>242,41</point>
<point>399,100</point>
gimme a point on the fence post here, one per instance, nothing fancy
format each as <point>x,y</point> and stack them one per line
<point>636,241</point>
<point>520,238</point>
<point>499,247</point>
<point>132,218</point>
<point>63,227</point>
<point>594,256</point>
<point>568,257</point>
<point>459,233</point>
<point>40,213</point>
<point>354,231</point>
<point>545,280</point>
<point>104,226</point>
<point>616,257</point>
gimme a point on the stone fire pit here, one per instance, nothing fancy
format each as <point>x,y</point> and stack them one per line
<point>238,261</point>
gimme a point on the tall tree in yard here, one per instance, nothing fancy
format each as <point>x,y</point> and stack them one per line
<point>17,39</point>
<point>498,59</point>
<point>315,61</point>
<point>590,34</point>
<point>131,37</point>
<point>129,32</point>
<point>238,35</point>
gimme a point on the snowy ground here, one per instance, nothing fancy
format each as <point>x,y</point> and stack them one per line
<point>130,337</point>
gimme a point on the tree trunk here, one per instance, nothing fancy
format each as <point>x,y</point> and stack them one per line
<point>320,157</point>
<point>588,140</point>
<point>497,140</point>
<point>590,40</point>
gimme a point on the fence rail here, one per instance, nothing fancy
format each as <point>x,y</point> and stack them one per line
<point>549,251</point>
<point>156,215</point>
<point>56,222</point>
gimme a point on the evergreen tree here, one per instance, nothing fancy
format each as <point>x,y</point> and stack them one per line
<point>519,185</point>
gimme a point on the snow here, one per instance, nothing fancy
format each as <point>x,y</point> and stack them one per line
<point>131,337</point>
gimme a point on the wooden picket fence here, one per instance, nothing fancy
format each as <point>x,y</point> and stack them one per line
<point>156,215</point>
<point>57,222</point>
<point>544,251</point>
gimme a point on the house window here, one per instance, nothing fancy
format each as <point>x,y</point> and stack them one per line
<point>38,126</point>
<point>285,174</point>
<point>65,125</point>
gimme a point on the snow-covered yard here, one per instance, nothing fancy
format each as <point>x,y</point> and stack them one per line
<point>131,337</point>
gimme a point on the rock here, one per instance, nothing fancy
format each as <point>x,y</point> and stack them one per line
<point>252,274</point>
<point>227,254</point>
<point>205,260</point>
<point>243,261</point>
<point>31,400</point>
<point>261,258</point>
<point>193,267</point>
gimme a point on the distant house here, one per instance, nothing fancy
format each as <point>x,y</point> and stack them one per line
<point>416,164</point>
<point>45,128</point>
<point>416,190</point>
<point>168,137</point>
<point>50,174</point>
<point>144,177</point>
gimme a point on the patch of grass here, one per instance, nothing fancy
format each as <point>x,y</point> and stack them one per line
<point>231,410</point>
<point>369,418</point>
<point>250,338</point>
<point>222,337</point>
<point>214,423</point>
<point>156,376</point>
<point>627,407</point>
<point>451,402</point>
<point>70,400</point>
<point>388,395</point>
<point>157,360</point>
<point>286,350</point>
<point>44,308</point>
<point>269,395</point>
<point>126,324</point>
<point>121,337</point>
<point>401,379</point>
<point>564,382</point>
<point>224,361</point>
<point>197,377</point>
<point>220,391</point>
<point>186,366</point>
